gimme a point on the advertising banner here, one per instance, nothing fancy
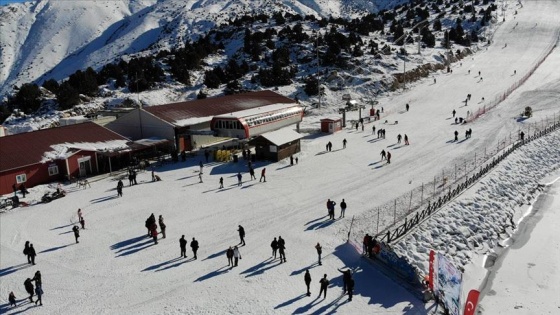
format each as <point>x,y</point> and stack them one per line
<point>448,284</point>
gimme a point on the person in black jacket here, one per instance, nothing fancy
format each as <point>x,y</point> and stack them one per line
<point>194,246</point>
<point>274,246</point>
<point>37,279</point>
<point>350,287</point>
<point>229,255</point>
<point>183,245</point>
<point>26,252</point>
<point>324,284</point>
<point>319,252</point>
<point>29,288</point>
<point>119,188</point>
<point>32,254</point>
<point>76,230</point>
<point>307,279</point>
<point>342,208</point>
<point>241,231</point>
<point>346,276</point>
<point>12,299</point>
<point>281,251</point>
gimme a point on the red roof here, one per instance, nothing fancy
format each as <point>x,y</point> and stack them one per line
<point>27,148</point>
<point>216,105</point>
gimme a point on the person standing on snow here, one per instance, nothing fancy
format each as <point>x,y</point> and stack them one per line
<point>350,287</point>
<point>346,275</point>
<point>119,188</point>
<point>324,284</point>
<point>263,175</point>
<point>342,208</point>
<point>456,133</point>
<point>388,157</point>
<point>154,233</point>
<point>201,166</point>
<point>162,226</point>
<point>32,254</point>
<point>236,255</point>
<point>241,231</point>
<point>12,299</point>
<point>344,143</point>
<point>382,155</point>
<point>319,252</point>
<point>252,173</point>
<point>39,292</point>
<point>373,130</point>
<point>407,107</point>
<point>274,246</point>
<point>281,251</point>
<point>229,255</point>
<point>406,139</point>
<point>399,137</point>
<point>199,177</point>
<point>83,223</point>
<point>307,279</point>
<point>29,288</point>
<point>76,230</point>
<point>454,112</point>
<point>221,182</point>
<point>183,246</point>
<point>194,246</point>
<point>26,252</point>
<point>239,177</point>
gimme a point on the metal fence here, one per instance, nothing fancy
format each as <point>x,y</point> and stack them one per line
<point>416,205</point>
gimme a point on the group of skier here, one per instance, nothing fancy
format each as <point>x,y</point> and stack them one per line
<point>347,283</point>
<point>152,226</point>
<point>31,290</point>
<point>331,207</point>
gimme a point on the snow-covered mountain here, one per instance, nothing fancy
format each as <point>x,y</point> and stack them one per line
<point>52,39</point>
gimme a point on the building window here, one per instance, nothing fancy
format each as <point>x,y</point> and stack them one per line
<point>53,170</point>
<point>22,178</point>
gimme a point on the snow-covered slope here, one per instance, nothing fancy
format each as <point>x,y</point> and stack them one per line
<point>52,39</point>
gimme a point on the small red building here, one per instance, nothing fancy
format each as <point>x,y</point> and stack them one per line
<point>331,125</point>
<point>55,154</point>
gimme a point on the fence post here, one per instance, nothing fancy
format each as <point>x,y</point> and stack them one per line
<point>422,195</point>
<point>466,168</point>
<point>434,186</point>
<point>455,171</point>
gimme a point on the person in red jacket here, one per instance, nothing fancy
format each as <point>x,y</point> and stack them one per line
<point>365,244</point>
<point>154,232</point>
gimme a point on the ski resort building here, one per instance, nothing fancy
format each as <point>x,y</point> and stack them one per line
<point>203,122</point>
<point>62,153</point>
<point>276,145</point>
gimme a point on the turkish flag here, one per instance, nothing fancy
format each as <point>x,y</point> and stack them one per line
<point>472,301</point>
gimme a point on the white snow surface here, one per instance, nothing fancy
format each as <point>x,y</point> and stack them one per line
<point>64,150</point>
<point>115,269</point>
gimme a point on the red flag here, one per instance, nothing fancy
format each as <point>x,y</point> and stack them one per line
<point>431,269</point>
<point>472,301</point>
